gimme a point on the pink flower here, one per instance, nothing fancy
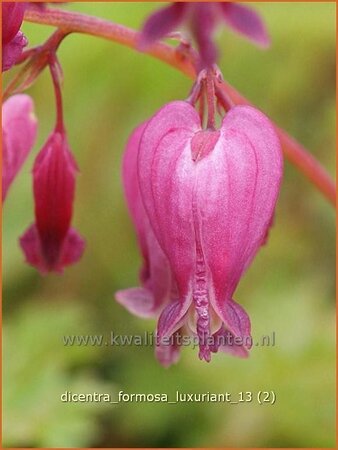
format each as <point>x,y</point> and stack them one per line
<point>13,40</point>
<point>201,19</point>
<point>51,244</point>
<point>19,127</point>
<point>209,197</point>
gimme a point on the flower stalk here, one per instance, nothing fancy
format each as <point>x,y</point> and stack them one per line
<point>210,93</point>
<point>56,75</point>
<point>37,59</point>
<point>69,22</point>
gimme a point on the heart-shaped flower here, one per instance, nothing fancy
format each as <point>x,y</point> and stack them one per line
<point>209,197</point>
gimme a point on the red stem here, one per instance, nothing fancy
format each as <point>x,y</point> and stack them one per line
<point>55,73</point>
<point>69,22</point>
<point>76,22</point>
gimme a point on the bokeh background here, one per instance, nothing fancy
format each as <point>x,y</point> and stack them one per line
<point>289,289</point>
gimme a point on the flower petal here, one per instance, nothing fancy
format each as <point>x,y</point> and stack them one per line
<point>155,274</point>
<point>71,250</point>
<point>236,194</point>
<point>164,171</point>
<point>245,21</point>
<point>13,41</point>
<point>138,301</point>
<point>172,318</point>
<point>235,319</point>
<point>11,52</point>
<point>19,129</point>
<point>12,17</point>
<point>160,23</point>
<point>130,184</point>
<point>223,340</point>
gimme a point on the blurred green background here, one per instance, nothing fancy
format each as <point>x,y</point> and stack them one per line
<point>289,289</point>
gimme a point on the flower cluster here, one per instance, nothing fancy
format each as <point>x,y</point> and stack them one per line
<point>202,197</point>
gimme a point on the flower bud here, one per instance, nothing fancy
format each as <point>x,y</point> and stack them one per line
<point>50,243</point>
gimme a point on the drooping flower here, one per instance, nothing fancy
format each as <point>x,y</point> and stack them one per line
<point>13,40</point>
<point>201,19</point>
<point>19,127</point>
<point>51,244</point>
<point>209,197</point>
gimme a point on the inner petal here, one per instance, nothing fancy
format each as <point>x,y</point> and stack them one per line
<point>200,287</point>
<point>214,320</point>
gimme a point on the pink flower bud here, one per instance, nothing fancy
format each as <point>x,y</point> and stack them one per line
<point>19,127</point>
<point>13,40</point>
<point>50,244</point>
<point>209,197</point>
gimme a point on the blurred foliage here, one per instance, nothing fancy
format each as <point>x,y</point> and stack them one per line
<point>289,289</point>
